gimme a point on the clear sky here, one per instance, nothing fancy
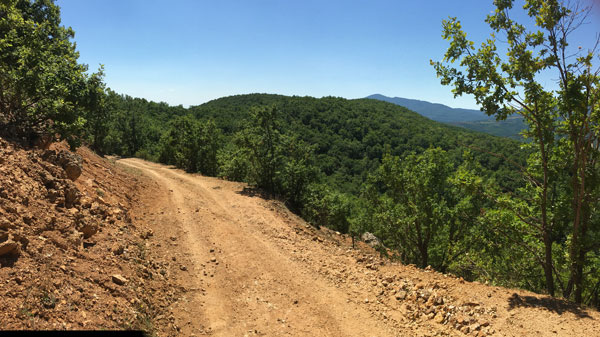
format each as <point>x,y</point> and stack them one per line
<point>191,51</point>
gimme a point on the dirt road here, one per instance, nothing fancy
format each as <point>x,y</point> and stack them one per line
<point>244,259</point>
<point>249,267</point>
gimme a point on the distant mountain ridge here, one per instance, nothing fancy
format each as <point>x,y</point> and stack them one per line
<point>437,112</point>
<point>467,118</point>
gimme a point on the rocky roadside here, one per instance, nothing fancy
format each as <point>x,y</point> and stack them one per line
<point>71,256</point>
<point>426,301</point>
<point>397,295</point>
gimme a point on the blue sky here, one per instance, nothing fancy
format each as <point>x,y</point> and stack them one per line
<point>191,51</point>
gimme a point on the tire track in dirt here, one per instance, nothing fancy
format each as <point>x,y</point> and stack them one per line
<point>255,269</point>
<point>252,286</point>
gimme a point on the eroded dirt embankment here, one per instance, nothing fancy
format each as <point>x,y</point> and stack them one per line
<point>246,266</point>
<point>71,256</point>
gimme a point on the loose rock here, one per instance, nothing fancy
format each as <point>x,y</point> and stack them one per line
<point>9,247</point>
<point>118,279</point>
<point>371,239</point>
<point>71,163</point>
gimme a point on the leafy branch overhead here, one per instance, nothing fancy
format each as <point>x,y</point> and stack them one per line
<point>43,89</point>
<point>563,120</point>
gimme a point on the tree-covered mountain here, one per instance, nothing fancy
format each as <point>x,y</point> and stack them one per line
<point>437,112</point>
<point>511,127</point>
<point>467,118</point>
<point>351,136</point>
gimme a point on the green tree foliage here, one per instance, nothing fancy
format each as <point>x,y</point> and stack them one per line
<point>208,143</point>
<point>234,160</point>
<point>277,162</point>
<point>423,207</point>
<point>557,205</point>
<point>349,136</point>
<point>191,145</point>
<point>326,206</point>
<point>97,115</point>
<point>135,126</point>
<point>42,87</point>
<point>176,146</point>
<point>298,171</point>
<point>263,141</point>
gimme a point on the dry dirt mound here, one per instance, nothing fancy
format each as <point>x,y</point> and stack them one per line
<point>248,267</point>
<point>70,255</point>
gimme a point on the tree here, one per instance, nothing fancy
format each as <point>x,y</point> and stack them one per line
<point>422,206</point>
<point>97,115</point>
<point>297,172</point>
<point>191,145</point>
<point>326,207</point>
<point>177,144</point>
<point>42,87</point>
<point>207,143</point>
<point>234,160</point>
<point>563,120</point>
<point>280,163</point>
<point>263,139</point>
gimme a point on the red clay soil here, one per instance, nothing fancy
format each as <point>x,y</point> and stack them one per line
<point>137,245</point>
<point>73,258</point>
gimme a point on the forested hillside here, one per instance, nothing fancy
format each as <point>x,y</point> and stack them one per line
<point>437,112</point>
<point>357,166</point>
<point>512,127</point>
<point>466,118</point>
<point>351,136</point>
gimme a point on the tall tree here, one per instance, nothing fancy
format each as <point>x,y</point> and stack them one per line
<point>42,86</point>
<point>424,206</point>
<point>263,139</point>
<point>207,143</point>
<point>563,119</point>
<point>97,115</point>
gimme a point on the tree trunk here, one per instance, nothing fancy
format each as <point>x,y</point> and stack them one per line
<point>424,255</point>
<point>548,264</point>
<point>577,252</point>
<point>546,229</point>
<point>579,277</point>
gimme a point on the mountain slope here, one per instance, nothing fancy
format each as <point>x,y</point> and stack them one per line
<point>511,127</point>
<point>467,118</point>
<point>437,112</point>
<point>352,135</point>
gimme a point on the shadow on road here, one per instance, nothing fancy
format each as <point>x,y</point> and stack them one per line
<point>8,261</point>
<point>255,192</point>
<point>556,305</point>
